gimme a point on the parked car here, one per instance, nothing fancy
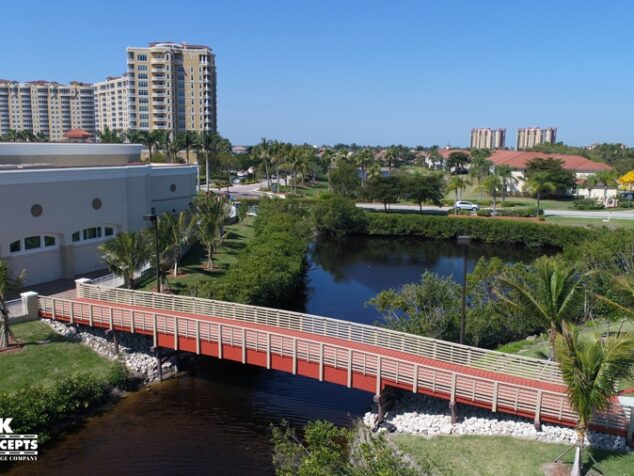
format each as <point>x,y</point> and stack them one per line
<point>464,205</point>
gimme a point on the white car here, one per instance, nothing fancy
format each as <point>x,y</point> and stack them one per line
<point>464,205</point>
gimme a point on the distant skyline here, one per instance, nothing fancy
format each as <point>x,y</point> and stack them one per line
<point>411,72</point>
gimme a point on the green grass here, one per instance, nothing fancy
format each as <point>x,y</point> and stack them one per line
<point>501,456</point>
<point>308,190</point>
<point>193,263</point>
<point>46,357</point>
<point>590,222</point>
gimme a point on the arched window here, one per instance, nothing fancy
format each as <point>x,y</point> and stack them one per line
<point>32,243</point>
<point>93,233</point>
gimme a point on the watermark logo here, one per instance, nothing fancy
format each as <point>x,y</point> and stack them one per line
<point>16,447</point>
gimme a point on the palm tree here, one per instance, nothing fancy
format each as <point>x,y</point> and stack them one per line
<point>608,178</point>
<point>109,136</point>
<point>363,159</point>
<point>492,184</point>
<point>188,140</point>
<point>8,284</point>
<point>210,212</point>
<point>132,136</point>
<point>508,179</point>
<point>212,144</point>
<point>262,152</point>
<point>591,367</point>
<point>180,227</point>
<point>480,166</point>
<point>125,255</point>
<point>149,139</point>
<point>556,295</point>
<point>457,184</point>
<point>590,184</point>
<point>538,183</point>
<point>623,287</point>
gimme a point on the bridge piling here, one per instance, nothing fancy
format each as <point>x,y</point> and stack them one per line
<point>115,343</point>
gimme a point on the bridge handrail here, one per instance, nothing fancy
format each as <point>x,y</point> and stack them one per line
<point>520,396</point>
<point>426,347</point>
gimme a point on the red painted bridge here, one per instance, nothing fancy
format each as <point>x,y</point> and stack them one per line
<point>355,355</point>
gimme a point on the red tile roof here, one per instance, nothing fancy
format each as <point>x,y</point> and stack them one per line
<point>77,134</point>
<point>518,160</point>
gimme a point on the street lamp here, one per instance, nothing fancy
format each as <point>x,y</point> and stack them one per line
<point>154,219</point>
<point>463,240</point>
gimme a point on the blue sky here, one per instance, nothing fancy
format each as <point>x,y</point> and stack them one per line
<point>412,72</point>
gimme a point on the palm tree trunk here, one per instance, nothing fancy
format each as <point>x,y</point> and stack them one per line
<point>552,337</point>
<point>6,336</point>
<point>268,177</point>
<point>494,204</point>
<point>207,172</point>
<point>577,466</point>
<point>210,263</point>
<point>538,199</point>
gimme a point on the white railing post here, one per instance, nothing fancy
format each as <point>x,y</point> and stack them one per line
<point>220,341</point>
<point>244,345</point>
<point>155,329</point>
<point>175,333</point>
<point>494,405</point>
<point>349,368</point>
<point>321,361</point>
<point>415,380</point>
<point>111,319</point>
<point>378,375</point>
<point>91,315</point>
<point>131,321</point>
<point>294,355</point>
<point>30,306</point>
<point>197,336</point>
<point>268,350</point>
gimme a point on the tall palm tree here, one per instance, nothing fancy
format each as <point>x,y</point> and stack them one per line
<point>210,212</point>
<point>180,231</point>
<point>457,184</point>
<point>132,136</point>
<point>8,284</point>
<point>608,178</point>
<point>538,183</point>
<point>262,152</point>
<point>125,255</point>
<point>508,179</point>
<point>480,166</point>
<point>188,140</point>
<point>363,158</point>
<point>492,184</point>
<point>591,367</point>
<point>556,295</point>
<point>212,144</point>
<point>590,184</point>
<point>109,136</point>
<point>149,139</point>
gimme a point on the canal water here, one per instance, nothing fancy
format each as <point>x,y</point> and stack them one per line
<point>216,419</point>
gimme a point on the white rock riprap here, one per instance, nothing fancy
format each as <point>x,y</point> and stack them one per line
<point>134,349</point>
<point>428,417</point>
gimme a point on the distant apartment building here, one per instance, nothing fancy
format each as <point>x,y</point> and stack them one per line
<point>111,103</point>
<point>486,138</point>
<point>47,108</point>
<point>172,86</point>
<point>528,137</point>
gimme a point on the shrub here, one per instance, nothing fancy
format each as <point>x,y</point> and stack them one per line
<point>587,204</point>
<point>492,231</point>
<point>514,212</point>
<point>338,215</point>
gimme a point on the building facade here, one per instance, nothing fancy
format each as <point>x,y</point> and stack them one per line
<point>485,138</point>
<point>172,86</point>
<point>46,108</point>
<point>528,137</point>
<point>59,202</point>
<point>112,103</point>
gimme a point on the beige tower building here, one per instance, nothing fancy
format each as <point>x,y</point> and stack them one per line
<point>528,137</point>
<point>172,87</point>
<point>46,108</point>
<point>485,138</point>
<point>111,103</point>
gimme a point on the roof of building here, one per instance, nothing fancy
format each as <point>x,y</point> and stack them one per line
<point>77,134</point>
<point>518,159</point>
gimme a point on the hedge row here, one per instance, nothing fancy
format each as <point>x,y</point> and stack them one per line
<point>269,271</point>
<point>513,212</point>
<point>492,231</point>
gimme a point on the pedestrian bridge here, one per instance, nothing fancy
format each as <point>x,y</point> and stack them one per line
<point>358,356</point>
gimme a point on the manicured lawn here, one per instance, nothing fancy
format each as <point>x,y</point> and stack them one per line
<point>590,222</point>
<point>308,190</point>
<point>193,263</point>
<point>46,357</point>
<point>501,456</point>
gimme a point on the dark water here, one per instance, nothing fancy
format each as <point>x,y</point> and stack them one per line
<point>215,420</point>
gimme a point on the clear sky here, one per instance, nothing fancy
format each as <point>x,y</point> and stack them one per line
<point>372,72</point>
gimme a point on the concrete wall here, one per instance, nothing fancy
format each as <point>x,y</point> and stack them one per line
<point>67,200</point>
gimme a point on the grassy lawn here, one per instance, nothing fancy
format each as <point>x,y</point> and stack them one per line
<point>193,263</point>
<point>500,456</point>
<point>308,190</point>
<point>46,357</point>
<point>590,222</point>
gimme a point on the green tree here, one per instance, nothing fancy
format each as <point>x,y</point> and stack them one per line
<point>125,255</point>
<point>591,367</point>
<point>188,140</point>
<point>109,136</point>
<point>505,172</point>
<point>150,139</point>
<point>424,188</point>
<point>557,295</point>
<point>430,308</point>
<point>363,159</point>
<point>132,136</point>
<point>212,145</point>
<point>457,161</point>
<point>607,178</point>
<point>538,183</point>
<point>337,215</point>
<point>384,189</point>
<point>480,165</point>
<point>262,153</point>
<point>590,183</point>
<point>344,179</point>
<point>562,180</point>
<point>492,184</point>
<point>210,213</point>
<point>180,234</point>
<point>457,185</point>
<point>8,284</point>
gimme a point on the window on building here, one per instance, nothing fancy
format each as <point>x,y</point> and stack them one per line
<point>49,241</point>
<point>142,57</point>
<point>142,67</point>
<point>32,242</point>
<point>15,247</point>
<point>108,231</point>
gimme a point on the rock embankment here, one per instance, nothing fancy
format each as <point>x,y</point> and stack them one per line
<point>428,417</point>
<point>134,349</point>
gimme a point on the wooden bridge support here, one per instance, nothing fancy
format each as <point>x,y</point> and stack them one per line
<point>453,409</point>
<point>115,343</point>
<point>161,356</point>
<point>384,402</point>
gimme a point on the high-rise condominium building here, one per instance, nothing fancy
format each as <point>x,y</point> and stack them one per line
<point>111,103</point>
<point>46,108</point>
<point>488,138</point>
<point>172,87</point>
<point>528,137</point>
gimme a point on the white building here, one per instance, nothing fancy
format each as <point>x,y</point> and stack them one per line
<point>58,202</point>
<point>111,104</point>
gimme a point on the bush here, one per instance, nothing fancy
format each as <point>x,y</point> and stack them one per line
<point>492,231</point>
<point>510,204</point>
<point>338,215</point>
<point>515,212</point>
<point>587,204</point>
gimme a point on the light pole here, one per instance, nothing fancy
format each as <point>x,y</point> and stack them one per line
<point>464,240</point>
<point>154,219</point>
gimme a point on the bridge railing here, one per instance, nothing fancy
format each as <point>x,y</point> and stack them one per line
<point>435,349</point>
<point>455,385</point>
